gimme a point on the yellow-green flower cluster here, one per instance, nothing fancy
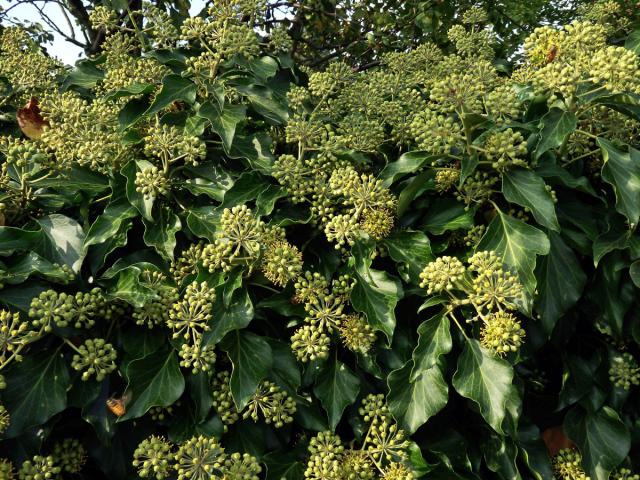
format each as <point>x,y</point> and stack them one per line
<point>223,402</point>
<point>6,469</point>
<point>152,182</point>
<point>381,455</point>
<point>281,263</point>
<point>169,144</point>
<point>81,310</point>
<point>624,371</point>
<point>38,468</point>
<point>70,455</point>
<point>94,357</point>
<point>238,240</point>
<point>15,334</point>
<point>83,133</point>
<point>436,133</point>
<point>505,149</point>
<point>153,458</point>
<point>489,288</point>
<point>5,419</point>
<point>271,402</point>
<point>624,474</point>
<point>25,65</point>
<point>567,465</point>
<point>198,458</point>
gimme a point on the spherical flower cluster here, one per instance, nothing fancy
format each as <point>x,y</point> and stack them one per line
<point>155,312</point>
<point>624,474</point>
<point>505,148</point>
<point>200,458</point>
<point>6,469</point>
<point>377,223</point>
<point>544,45</point>
<point>502,104</point>
<point>477,188</point>
<point>617,68</point>
<point>95,357</point>
<point>279,40</point>
<point>326,449</point>
<point>397,471</point>
<point>223,400</point>
<point>171,144</point>
<point>81,310</point>
<point>502,333</point>
<point>388,442</point>
<point>567,465</point>
<point>152,182</point>
<point>356,334</point>
<point>126,71</point>
<point>342,230</point>
<point>153,458</point>
<point>493,287</point>
<point>624,371</point>
<point>187,263</point>
<point>70,455</point>
<point>436,134</point>
<point>197,357</point>
<point>357,132</point>
<point>309,343</point>
<point>83,133</point>
<point>190,316</point>
<point>24,64</point>
<point>441,274</point>
<point>281,263</point>
<point>238,241</point>
<point>5,419</point>
<point>39,468</point>
<point>274,404</point>
<point>446,179</point>
<point>374,409</point>
<point>103,17</point>
<point>241,467</point>
<point>14,335</point>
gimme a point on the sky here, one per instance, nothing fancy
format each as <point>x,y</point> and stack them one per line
<point>60,48</point>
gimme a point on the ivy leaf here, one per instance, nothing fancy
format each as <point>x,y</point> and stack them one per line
<point>634,272</point>
<point>226,318</point>
<point>337,387</point>
<point>161,233</point>
<point>174,87</point>
<point>525,188</point>
<point>36,390</point>
<point>560,282</point>
<point>143,204</point>
<point>251,358</point>
<point>154,381</point>
<point>376,292</point>
<point>223,120</point>
<point>63,240</point>
<point>433,342</point>
<point>413,401</point>
<point>518,244</point>
<point>486,380</point>
<point>602,437</point>
<point>633,42</point>
<point>557,125</point>
<point>411,249</point>
<point>107,225</point>
<point>446,214</point>
<point>408,162</point>
<point>622,171</point>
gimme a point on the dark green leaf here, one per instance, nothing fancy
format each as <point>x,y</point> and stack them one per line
<point>376,292</point>
<point>174,88</point>
<point>36,390</point>
<point>447,214</point>
<point>434,341</point>
<point>518,244</point>
<point>411,249</point>
<point>525,188</point>
<point>622,171</point>
<point>412,401</point>
<point>251,357</point>
<point>560,282</point>
<point>486,380</point>
<point>557,125</point>
<point>107,225</point>
<point>633,42</point>
<point>237,315</point>
<point>223,120</point>
<point>337,387</point>
<point>153,381</point>
<point>161,233</point>
<point>408,162</point>
<point>143,204</point>
<point>602,437</point>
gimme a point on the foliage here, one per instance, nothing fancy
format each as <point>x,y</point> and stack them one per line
<point>217,264</point>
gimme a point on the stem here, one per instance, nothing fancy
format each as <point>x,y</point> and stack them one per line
<point>68,342</point>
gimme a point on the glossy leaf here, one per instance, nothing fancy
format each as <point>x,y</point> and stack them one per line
<point>525,188</point>
<point>557,125</point>
<point>622,171</point>
<point>336,388</point>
